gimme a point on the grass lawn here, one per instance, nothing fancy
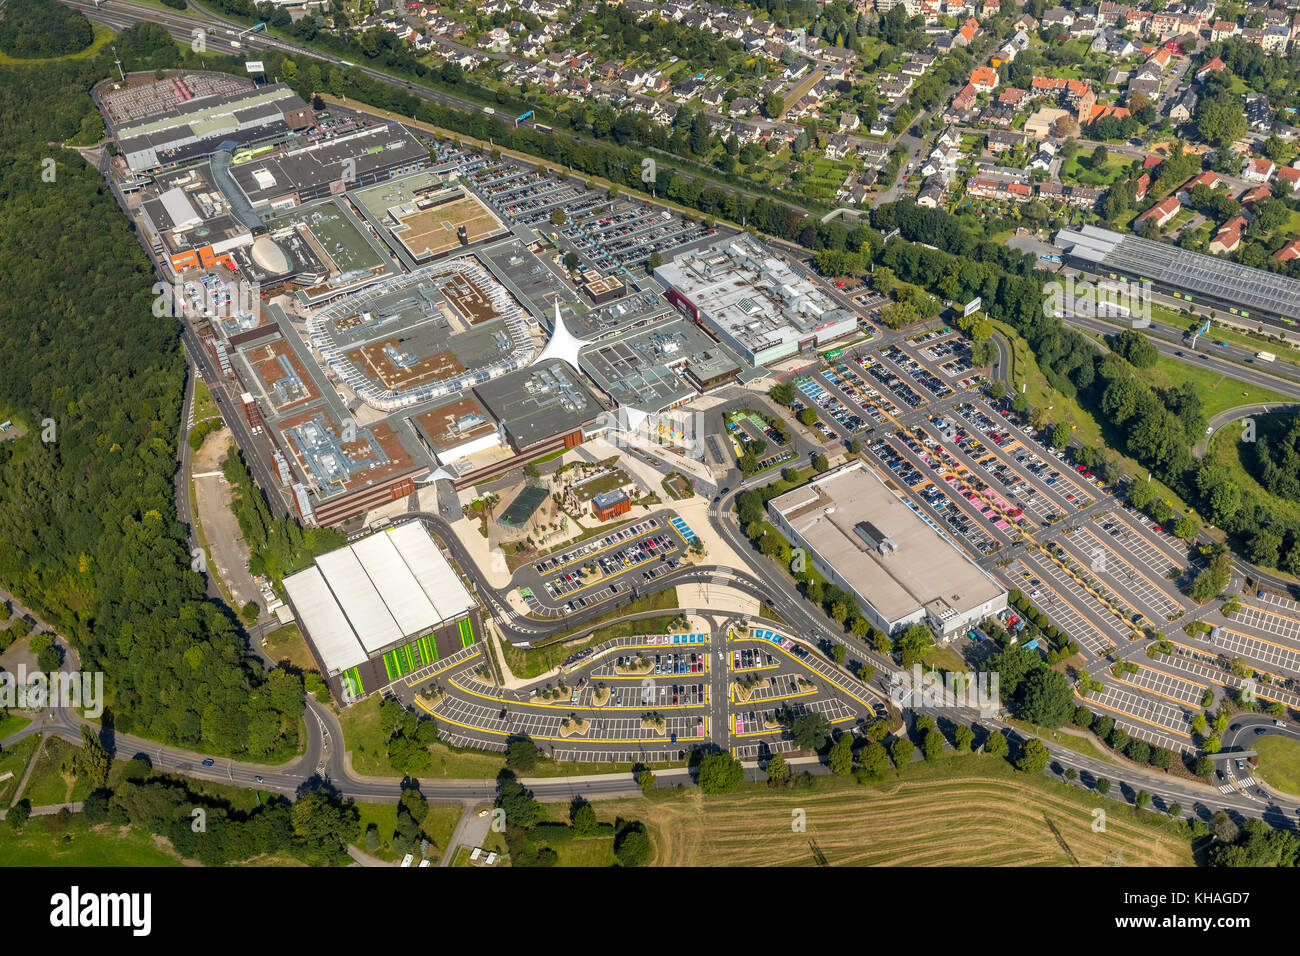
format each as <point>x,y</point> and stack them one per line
<point>944,658</point>
<point>204,406</point>
<point>43,843</point>
<point>48,783</point>
<point>12,723</point>
<point>1076,172</point>
<point>1080,745</point>
<point>287,643</point>
<point>384,817</point>
<point>1218,392</point>
<point>962,810</point>
<point>1279,762</point>
<point>14,760</point>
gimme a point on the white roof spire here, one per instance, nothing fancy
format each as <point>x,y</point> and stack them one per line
<point>563,344</point>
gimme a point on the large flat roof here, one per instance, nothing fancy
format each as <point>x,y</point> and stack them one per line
<point>742,287</point>
<point>363,598</point>
<point>358,154</point>
<point>1168,265</point>
<point>923,570</point>
<point>539,402</point>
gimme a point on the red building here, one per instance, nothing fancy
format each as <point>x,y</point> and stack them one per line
<point>609,504</point>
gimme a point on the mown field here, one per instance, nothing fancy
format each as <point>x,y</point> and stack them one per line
<point>961,811</point>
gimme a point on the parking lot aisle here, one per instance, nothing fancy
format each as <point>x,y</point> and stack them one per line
<point>1284,604</point>
<point>1118,529</point>
<point>1235,643</point>
<point>1099,618</point>
<point>1165,685</point>
<point>1143,717</point>
<point>1108,563</point>
<point>1269,621</point>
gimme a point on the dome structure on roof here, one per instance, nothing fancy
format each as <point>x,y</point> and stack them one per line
<point>269,256</point>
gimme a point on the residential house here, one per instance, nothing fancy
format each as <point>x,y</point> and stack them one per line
<point>1258,114</point>
<point>1143,185</point>
<point>1000,141</point>
<point>1222,29</point>
<point>837,146</point>
<point>931,193</point>
<point>1290,176</point>
<point>985,79</point>
<point>849,122</point>
<point>1162,212</point>
<point>1082,196</point>
<point>970,29</point>
<point>1288,252</point>
<point>1228,238</point>
<point>1184,107</point>
<point>1214,66</point>
<point>1207,178</point>
<point>1257,169</point>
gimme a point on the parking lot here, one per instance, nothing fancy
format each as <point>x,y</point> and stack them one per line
<point>1166,685</point>
<point>608,235</point>
<point>1123,576</point>
<point>1048,592</point>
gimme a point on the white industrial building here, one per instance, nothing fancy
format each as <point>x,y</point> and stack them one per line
<point>752,301</point>
<point>865,539</point>
<point>378,605</point>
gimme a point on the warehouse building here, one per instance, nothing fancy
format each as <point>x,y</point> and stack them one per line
<point>331,166</point>
<point>753,302</point>
<point>198,128</point>
<point>381,608</point>
<point>864,539</point>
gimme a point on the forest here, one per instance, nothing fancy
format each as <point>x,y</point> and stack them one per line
<point>89,536</point>
<point>35,29</point>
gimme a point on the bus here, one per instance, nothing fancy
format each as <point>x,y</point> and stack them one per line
<point>1265,357</point>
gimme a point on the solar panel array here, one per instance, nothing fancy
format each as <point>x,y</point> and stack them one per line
<point>1180,269</point>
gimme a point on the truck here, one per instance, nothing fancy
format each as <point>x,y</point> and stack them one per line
<point>1265,357</point>
<point>489,111</point>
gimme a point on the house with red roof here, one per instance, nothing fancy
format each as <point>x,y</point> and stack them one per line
<point>1161,212</point>
<point>1228,238</point>
<point>1288,252</point>
<point>1289,175</point>
<point>1214,66</point>
<point>1257,169</point>
<point>1208,178</point>
<point>985,79</point>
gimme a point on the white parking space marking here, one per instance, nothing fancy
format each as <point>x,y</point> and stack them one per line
<point>1270,621</point>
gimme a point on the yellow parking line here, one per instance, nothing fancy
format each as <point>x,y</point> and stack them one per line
<point>1125,713</point>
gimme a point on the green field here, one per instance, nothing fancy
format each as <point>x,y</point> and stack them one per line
<point>14,760</point>
<point>44,843</point>
<point>12,723</point>
<point>1279,762</point>
<point>1218,392</point>
<point>204,406</point>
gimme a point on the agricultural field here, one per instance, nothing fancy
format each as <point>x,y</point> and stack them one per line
<point>961,811</point>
